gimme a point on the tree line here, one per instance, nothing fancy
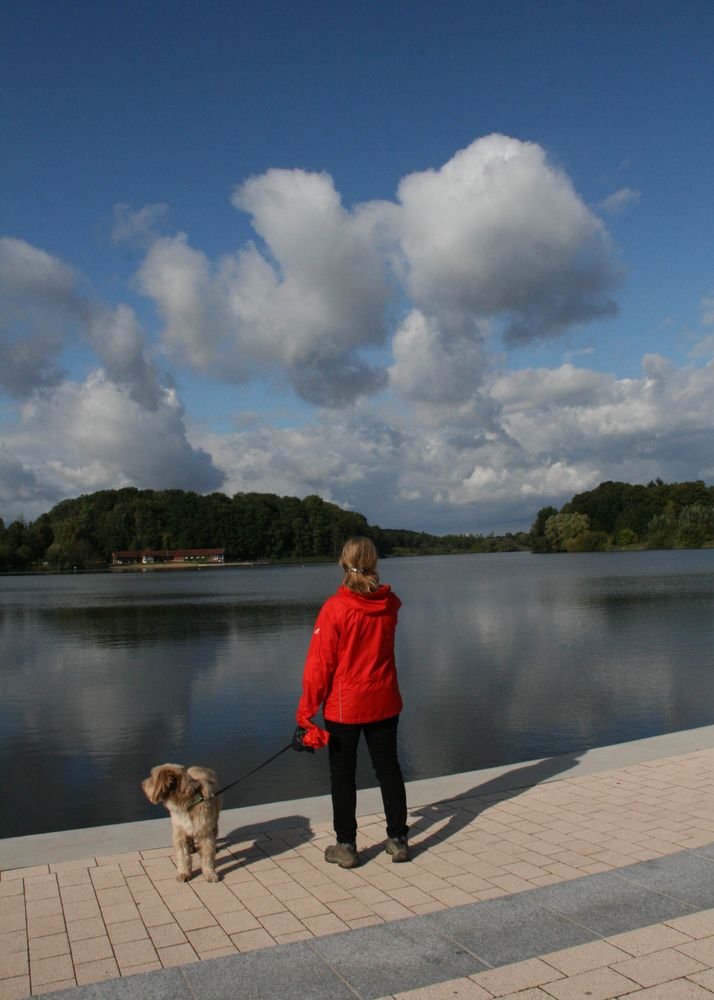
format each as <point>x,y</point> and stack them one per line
<point>624,516</point>
<point>82,533</point>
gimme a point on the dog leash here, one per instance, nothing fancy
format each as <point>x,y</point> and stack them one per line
<point>205,798</point>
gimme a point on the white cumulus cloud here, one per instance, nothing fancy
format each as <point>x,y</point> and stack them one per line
<point>394,321</point>
<point>499,231</point>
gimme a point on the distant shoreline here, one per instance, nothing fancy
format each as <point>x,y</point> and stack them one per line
<point>163,567</point>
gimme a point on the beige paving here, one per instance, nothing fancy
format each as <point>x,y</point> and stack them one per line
<point>100,917</point>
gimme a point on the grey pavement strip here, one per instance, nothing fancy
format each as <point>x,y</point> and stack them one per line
<point>421,951</point>
<point>389,958</point>
<point>510,929</point>
<point>688,876</point>
<point>288,970</point>
<point>167,984</point>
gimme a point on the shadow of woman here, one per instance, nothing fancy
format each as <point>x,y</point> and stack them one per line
<point>258,841</point>
<point>460,811</point>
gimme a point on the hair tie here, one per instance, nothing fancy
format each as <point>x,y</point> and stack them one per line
<point>353,569</point>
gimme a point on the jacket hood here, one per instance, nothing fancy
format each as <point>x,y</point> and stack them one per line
<point>381,601</point>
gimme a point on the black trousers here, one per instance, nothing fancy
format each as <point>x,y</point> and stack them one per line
<point>381,740</point>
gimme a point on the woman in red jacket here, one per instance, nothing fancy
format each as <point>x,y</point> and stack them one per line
<point>351,673</point>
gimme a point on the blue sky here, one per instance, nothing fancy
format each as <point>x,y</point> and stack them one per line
<point>444,263</point>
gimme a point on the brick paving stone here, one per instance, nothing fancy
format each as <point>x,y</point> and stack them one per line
<point>15,988</point>
<point>78,876</point>
<point>696,925</point>
<point>15,887</point>
<point>599,984</point>
<point>80,909</point>
<point>519,976</point>
<point>40,926</point>
<point>659,967</point>
<point>43,887</point>
<point>107,878</point>
<point>135,953</point>
<point>91,950</point>
<point>96,972</point>
<point>321,926</point>
<point>286,891</point>
<point>13,941</point>
<point>63,984</point>
<point>12,920</point>
<point>116,913</point>
<point>410,897</point>
<point>51,970</point>
<point>704,979</point>
<point>702,950</point>
<point>47,907</point>
<point>47,947</point>
<point>649,939</point>
<point>306,906</point>
<point>166,935</point>
<point>533,994</point>
<point>78,930</point>
<point>118,859</point>
<point>431,907</point>
<point>681,989</point>
<point>329,892</point>
<point>303,935</point>
<point>114,894</point>
<point>281,923</point>
<point>352,909</point>
<point>127,930</point>
<point>157,852</point>
<point>237,921</point>
<point>153,914</point>
<point>462,989</point>
<point>261,906</point>
<point>208,939</point>
<point>251,940</point>
<point>14,965</point>
<point>191,920</point>
<point>584,957</point>
<point>77,893</point>
<point>25,873</point>
<point>245,890</point>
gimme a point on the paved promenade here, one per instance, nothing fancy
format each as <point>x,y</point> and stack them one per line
<point>569,878</point>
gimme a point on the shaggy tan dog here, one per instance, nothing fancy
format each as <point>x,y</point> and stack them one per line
<point>177,787</point>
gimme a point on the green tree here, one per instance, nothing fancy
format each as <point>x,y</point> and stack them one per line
<point>538,540</point>
<point>695,526</point>
<point>626,537</point>
<point>662,531</point>
<point>588,541</point>
<point>562,528</point>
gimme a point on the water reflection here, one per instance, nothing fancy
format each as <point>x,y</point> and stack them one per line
<point>502,658</point>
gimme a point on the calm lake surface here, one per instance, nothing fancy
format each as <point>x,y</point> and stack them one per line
<point>502,658</point>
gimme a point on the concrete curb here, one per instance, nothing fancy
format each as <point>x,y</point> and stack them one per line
<point>70,845</point>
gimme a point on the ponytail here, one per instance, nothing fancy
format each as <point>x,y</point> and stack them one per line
<point>359,561</point>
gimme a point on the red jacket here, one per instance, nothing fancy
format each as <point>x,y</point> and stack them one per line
<point>350,669</point>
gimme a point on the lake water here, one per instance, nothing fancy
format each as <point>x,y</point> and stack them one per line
<point>502,658</point>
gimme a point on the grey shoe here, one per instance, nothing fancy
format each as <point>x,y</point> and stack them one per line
<point>398,848</point>
<point>344,855</point>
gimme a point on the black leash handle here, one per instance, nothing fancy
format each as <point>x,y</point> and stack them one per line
<point>205,798</point>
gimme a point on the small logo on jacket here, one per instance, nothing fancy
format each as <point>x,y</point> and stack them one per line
<point>317,631</point>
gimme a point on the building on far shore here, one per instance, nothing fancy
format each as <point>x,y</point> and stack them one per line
<point>148,557</point>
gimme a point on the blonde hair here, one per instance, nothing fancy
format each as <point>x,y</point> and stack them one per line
<point>359,559</point>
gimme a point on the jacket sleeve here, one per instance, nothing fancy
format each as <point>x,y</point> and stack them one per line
<point>320,666</point>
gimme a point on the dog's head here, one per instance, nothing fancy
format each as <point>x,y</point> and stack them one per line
<point>166,781</point>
